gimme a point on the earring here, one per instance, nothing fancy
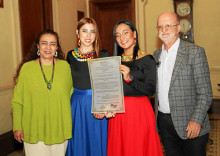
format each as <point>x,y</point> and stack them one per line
<point>79,42</point>
<point>38,53</point>
<point>135,41</point>
<point>56,54</point>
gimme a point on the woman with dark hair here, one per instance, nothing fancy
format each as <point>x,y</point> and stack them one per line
<point>134,132</point>
<point>41,102</point>
<point>89,131</point>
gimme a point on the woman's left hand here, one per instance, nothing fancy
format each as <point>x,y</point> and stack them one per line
<point>99,115</point>
<point>19,135</point>
<point>125,71</point>
<point>110,115</point>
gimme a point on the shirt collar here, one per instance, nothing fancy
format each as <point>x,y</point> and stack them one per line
<point>174,47</point>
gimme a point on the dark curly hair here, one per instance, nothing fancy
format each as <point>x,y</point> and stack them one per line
<point>32,55</point>
<point>117,49</point>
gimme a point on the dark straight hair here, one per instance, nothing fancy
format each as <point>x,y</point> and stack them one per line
<point>118,51</point>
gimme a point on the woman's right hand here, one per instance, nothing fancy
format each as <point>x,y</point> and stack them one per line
<point>18,135</point>
<point>99,116</point>
<point>110,114</point>
<point>125,71</point>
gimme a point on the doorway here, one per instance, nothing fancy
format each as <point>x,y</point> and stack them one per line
<point>107,13</point>
<point>35,16</point>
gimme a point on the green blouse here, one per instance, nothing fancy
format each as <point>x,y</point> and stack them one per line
<point>42,114</point>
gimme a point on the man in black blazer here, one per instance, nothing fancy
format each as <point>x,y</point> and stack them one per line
<point>184,92</point>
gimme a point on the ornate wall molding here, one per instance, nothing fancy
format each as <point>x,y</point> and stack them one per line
<point>4,89</point>
<point>55,9</point>
<point>16,53</point>
<point>215,68</point>
<point>17,50</point>
<point>140,22</point>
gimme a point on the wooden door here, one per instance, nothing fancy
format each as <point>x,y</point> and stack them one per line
<point>35,16</point>
<point>107,13</point>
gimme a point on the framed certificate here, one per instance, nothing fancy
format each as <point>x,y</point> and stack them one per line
<point>107,86</point>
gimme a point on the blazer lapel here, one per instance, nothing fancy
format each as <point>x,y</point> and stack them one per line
<point>157,59</point>
<point>181,54</point>
<point>157,55</point>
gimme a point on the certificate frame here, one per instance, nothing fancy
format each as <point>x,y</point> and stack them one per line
<point>107,85</point>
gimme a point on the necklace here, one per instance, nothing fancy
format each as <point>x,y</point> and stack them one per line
<point>82,56</point>
<point>130,57</point>
<point>49,83</point>
<point>85,52</point>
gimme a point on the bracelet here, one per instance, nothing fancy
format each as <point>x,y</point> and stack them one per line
<point>128,80</point>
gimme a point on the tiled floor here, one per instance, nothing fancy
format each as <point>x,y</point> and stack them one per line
<point>213,147</point>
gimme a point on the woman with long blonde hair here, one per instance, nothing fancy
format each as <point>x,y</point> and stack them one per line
<point>89,130</point>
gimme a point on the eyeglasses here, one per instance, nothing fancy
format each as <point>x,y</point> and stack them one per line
<point>167,26</point>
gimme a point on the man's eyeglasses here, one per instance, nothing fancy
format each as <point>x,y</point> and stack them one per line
<point>167,26</point>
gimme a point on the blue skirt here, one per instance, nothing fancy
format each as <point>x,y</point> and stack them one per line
<point>89,135</point>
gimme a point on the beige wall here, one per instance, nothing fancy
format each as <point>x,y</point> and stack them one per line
<point>206,30</point>
<point>9,56</point>
<point>152,12</point>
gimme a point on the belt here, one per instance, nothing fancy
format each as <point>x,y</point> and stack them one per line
<point>164,114</point>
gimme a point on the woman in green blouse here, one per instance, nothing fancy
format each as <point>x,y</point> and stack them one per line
<point>41,102</point>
